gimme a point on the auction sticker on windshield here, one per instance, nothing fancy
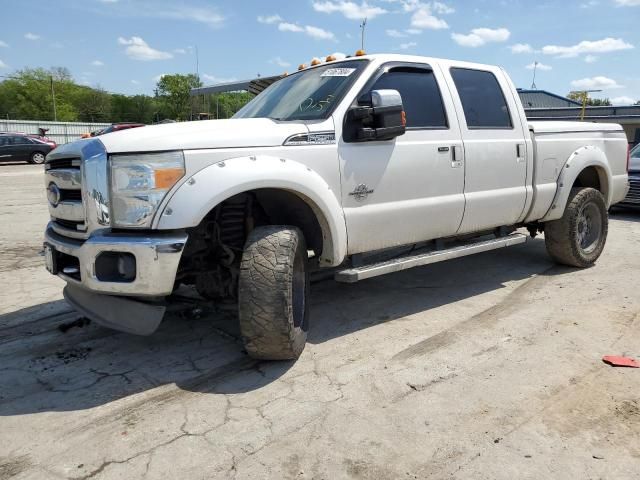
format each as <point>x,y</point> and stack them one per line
<point>338,72</point>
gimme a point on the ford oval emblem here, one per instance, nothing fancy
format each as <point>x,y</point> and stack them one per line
<point>53,195</point>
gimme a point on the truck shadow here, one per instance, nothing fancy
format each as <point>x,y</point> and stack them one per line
<point>43,369</point>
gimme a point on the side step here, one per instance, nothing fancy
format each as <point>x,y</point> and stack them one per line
<point>352,275</point>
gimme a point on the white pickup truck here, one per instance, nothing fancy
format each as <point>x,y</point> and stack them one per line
<point>366,166</point>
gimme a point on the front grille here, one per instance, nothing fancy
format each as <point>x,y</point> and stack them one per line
<point>68,215</point>
<point>71,195</point>
<point>70,224</point>
<point>62,163</point>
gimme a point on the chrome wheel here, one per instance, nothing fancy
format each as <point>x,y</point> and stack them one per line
<point>589,228</point>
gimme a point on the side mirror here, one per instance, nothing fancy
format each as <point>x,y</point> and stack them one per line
<point>378,116</point>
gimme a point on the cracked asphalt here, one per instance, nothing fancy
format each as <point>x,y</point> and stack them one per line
<point>484,367</point>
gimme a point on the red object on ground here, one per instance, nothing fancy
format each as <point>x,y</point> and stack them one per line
<point>617,361</point>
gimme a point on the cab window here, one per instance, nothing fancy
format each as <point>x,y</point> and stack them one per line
<point>421,98</point>
<point>482,99</point>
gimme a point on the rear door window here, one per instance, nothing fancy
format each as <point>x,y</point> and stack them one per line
<point>482,99</point>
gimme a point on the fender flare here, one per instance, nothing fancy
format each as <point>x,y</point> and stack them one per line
<point>583,157</point>
<point>198,194</point>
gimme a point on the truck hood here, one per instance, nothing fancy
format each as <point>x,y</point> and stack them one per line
<point>232,133</point>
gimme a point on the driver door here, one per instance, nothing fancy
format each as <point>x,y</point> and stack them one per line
<point>411,188</point>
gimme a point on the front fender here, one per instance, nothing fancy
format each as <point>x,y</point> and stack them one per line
<point>588,156</point>
<point>200,193</point>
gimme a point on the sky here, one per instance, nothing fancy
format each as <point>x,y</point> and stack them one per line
<point>124,46</point>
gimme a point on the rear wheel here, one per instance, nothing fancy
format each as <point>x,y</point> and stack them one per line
<point>577,239</point>
<point>273,293</point>
<point>37,158</point>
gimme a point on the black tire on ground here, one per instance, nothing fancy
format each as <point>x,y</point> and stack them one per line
<point>577,239</point>
<point>273,293</point>
<point>37,158</point>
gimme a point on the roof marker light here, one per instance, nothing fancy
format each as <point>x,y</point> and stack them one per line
<point>330,58</point>
<point>315,61</point>
<point>302,66</point>
<point>360,53</point>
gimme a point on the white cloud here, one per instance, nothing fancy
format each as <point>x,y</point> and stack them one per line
<point>138,49</point>
<point>269,19</point>
<point>180,51</point>
<point>202,15</point>
<point>422,18</point>
<point>135,82</point>
<point>350,10</point>
<point>598,46</point>
<point>290,27</point>
<point>408,45</point>
<point>4,44</point>
<point>213,79</point>
<point>395,33</point>
<point>589,4</point>
<point>598,82</point>
<point>313,32</point>
<point>31,36</point>
<point>441,8</point>
<point>157,78</point>
<point>628,3</point>
<point>540,66</point>
<point>319,33</point>
<point>521,48</point>
<point>590,58</point>
<point>3,65</point>
<point>280,62</point>
<point>624,100</point>
<point>97,63</point>
<point>481,36</point>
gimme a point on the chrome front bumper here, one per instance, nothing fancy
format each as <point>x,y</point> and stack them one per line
<point>157,258</point>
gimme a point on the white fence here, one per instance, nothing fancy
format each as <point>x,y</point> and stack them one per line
<point>59,132</point>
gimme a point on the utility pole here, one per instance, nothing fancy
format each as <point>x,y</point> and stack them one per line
<point>53,98</point>
<point>533,83</point>
<point>362,27</point>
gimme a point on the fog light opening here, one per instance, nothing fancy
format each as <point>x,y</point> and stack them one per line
<point>116,267</point>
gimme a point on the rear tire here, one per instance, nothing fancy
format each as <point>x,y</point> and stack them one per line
<point>577,239</point>
<point>273,293</point>
<point>38,158</point>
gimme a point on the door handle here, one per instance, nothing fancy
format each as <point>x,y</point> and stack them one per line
<point>456,157</point>
<point>519,151</point>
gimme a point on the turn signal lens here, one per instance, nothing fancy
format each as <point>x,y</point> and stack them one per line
<point>403,116</point>
<point>360,53</point>
<point>167,177</point>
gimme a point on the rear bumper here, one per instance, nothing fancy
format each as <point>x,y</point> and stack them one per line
<point>156,261</point>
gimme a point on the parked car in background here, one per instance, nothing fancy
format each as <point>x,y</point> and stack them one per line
<point>113,128</point>
<point>16,147</point>
<point>633,197</point>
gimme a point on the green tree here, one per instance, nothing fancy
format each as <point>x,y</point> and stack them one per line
<point>173,91</point>
<point>592,102</point>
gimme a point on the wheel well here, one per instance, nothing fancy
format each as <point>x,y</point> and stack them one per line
<point>589,177</point>
<point>282,207</point>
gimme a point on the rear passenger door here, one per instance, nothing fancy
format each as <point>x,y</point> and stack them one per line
<point>5,148</point>
<point>495,150</point>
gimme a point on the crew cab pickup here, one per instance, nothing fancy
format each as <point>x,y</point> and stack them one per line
<point>366,165</point>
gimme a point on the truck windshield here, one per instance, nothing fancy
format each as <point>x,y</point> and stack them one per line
<point>307,95</point>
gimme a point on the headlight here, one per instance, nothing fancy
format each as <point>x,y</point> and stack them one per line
<point>139,183</point>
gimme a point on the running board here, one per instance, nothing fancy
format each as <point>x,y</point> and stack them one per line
<point>352,275</point>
